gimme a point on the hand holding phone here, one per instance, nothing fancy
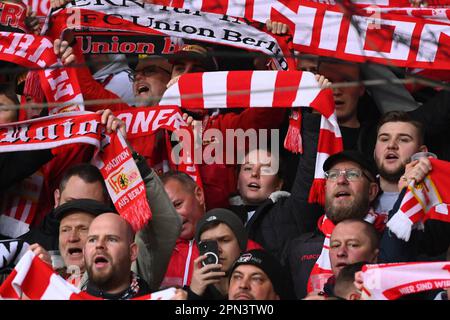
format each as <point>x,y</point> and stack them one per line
<point>210,249</point>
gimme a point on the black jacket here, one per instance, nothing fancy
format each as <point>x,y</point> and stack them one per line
<point>16,166</point>
<point>278,220</point>
<point>211,293</point>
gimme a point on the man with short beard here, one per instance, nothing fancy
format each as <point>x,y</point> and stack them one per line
<point>350,189</point>
<point>108,253</point>
<point>398,138</point>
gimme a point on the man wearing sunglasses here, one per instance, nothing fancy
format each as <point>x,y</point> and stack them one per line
<point>150,77</point>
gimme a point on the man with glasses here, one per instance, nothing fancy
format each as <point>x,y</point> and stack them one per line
<point>350,189</point>
<point>150,77</point>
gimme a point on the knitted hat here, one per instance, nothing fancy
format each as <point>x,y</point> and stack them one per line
<point>224,216</point>
<point>82,205</point>
<point>271,267</point>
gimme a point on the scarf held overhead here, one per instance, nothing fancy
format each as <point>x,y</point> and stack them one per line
<point>392,280</point>
<point>35,52</point>
<point>33,279</point>
<point>248,89</point>
<point>161,20</point>
<point>429,199</point>
<point>404,38</point>
<point>113,158</point>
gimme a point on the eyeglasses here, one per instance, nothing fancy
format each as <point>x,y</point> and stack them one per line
<point>146,72</point>
<point>350,174</point>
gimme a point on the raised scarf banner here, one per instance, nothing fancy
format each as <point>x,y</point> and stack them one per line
<point>113,158</point>
<point>367,34</point>
<point>322,268</point>
<point>393,280</point>
<point>12,16</point>
<point>162,20</point>
<point>248,89</point>
<point>124,43</point>
<point>146,121</point>
<point>429,199</point>
<point>33,279</point>
<point>35,52</point>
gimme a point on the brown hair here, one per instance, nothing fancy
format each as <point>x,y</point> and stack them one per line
<point>401,116</point>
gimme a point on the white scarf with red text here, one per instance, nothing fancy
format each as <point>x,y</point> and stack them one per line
<point>146,18</point>
<point>429,199</point>
<point>364,30</point>
<point>33,279</point>
<point>390,281</point>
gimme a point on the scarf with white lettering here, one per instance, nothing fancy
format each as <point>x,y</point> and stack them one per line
<point>322,268</point>
<point>429,199</point>
<point>146,121</point>
<point>12,17</point>
<point>358,31</point>
<point>33,279</point>
<point>249,89</point>
<point>152,19</point>
<point>113,158</point>
<point>36,52</point>
<point>390,281</point>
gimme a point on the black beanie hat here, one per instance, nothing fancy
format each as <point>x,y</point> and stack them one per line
<point>224,216</point>
<point>271,267</point>
<point>82,205</point>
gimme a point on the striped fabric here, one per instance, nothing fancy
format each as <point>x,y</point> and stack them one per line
<point>393,280</point>
<point>426,200</point>
<point>269,89</point>
<point>33,279</point>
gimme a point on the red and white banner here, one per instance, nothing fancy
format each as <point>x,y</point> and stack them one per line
<point>348,33</point>
<point>12,15</point>
<point>113,158</point>
<point>33,279</point>
<point>393,280</point>
<point>248,89</point>
<point>35,52</point>
<point>426,200</point>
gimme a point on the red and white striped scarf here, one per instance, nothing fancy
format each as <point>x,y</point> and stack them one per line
<point>429,199</point>
<point>113,157</point>
<point>322,268</point>
<point>250,89</point>
<point>36,52</point>
<point>19,205</point>
<point>399,38</point>
<point>33,279</point>
<point>392,280</point>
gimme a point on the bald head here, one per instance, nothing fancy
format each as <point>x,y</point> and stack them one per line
<point>109,252</point>
<point>115,223</point>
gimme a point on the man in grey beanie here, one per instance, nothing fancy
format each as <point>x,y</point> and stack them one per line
<point>210,281</point>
